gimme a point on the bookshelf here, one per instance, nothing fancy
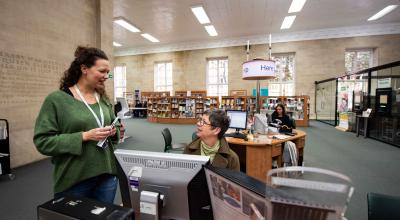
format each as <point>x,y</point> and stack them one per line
<point>251,104</point>
<point>184,110</point>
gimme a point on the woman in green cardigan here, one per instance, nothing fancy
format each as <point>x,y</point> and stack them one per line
<point>70,124</point>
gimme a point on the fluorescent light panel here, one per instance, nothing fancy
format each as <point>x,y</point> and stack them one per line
<point>125,24</point>
<point>296,6</point>
<point>200,14</point>
<point>150,38</point>
<point>383,12</point>
<point>288,21</point>
<point>115,44</point>
<point>211,30</point>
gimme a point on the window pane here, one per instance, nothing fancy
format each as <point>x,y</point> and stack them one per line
<point>274,89</point>
<point>163,76</point>
<point>119,92</point>
<point>212,90</point>
<point>223,90</point>
<point>119,81</point>
<point>217,77</point>
<point>358,60</point>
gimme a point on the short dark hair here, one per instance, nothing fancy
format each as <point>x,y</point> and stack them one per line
<point>218,119</point>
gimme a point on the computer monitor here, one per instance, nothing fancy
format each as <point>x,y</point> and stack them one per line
<point>178,179</point>
<point>234,195</point>
<point>261,123</point>
<point>238,119</point>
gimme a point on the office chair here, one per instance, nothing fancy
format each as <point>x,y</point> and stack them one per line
<point>311,193</point>
<point>383,207</point>
<point>125,112</point>
<point>169,147</point>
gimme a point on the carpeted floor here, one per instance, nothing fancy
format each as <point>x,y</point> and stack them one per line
<point>372,165</point>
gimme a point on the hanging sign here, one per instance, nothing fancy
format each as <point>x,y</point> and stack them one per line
<point>258,69</point>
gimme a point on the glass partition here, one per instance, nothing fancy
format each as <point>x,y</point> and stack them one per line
<point>325,102</point>
<point>339,100</point>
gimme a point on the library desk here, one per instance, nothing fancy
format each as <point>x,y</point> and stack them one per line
<point>258,154</point>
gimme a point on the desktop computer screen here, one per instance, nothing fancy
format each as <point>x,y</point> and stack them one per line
<point>234,195</point>
<point>178,179</point>
<point>238,119</point>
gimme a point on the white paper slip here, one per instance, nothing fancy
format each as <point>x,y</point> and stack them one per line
<point>281,136</point>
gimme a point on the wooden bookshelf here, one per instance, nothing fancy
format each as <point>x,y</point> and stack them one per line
<point>179,109</point>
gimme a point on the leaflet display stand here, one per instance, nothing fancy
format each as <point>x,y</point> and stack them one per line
<point>5,150</point>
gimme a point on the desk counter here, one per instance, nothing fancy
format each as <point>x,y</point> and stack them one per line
<point>258,154</point>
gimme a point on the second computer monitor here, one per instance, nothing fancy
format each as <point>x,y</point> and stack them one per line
<point>238,119</point>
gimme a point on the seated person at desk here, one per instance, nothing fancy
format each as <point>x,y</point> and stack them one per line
<point>280,117</point>
<point>211,127</point>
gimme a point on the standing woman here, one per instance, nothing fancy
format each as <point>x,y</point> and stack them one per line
<point>279,116</point>
<point>72,121</point>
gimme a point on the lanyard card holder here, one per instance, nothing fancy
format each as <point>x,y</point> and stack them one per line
<point>104,143</point>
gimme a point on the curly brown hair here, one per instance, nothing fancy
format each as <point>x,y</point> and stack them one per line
<point>86,56</point>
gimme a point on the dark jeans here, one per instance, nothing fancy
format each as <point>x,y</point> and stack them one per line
<point>101,188</point>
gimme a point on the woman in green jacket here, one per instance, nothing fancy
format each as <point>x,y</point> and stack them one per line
<point>70,124</point>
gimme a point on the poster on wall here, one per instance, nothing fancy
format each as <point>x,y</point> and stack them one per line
<point>343,121</point>
<point>384,83</point>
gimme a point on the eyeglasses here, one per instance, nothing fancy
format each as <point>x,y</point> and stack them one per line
<point>201,122</point>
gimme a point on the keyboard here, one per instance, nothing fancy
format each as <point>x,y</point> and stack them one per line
<point>236,135</point>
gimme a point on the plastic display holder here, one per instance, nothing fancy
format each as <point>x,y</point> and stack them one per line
<point>307,193</point>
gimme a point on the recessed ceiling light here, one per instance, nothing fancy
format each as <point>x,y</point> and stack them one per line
<point>296,6</point>
<point>126,24</point>
<point>211,30</point>
<point>383,12</point>
<point>200,14</point>
<point>150,38</point>
<point>115,44</point>
<point>288,21</point>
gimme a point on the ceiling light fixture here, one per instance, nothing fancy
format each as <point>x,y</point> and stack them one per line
<point>296,6</point>
<point>383,12</point>
<point>211,30</point>
<point>126,24</point>
<point>150,38</point>
<point>115,44</point>
<point>200,14</point>
<point>288,21</point>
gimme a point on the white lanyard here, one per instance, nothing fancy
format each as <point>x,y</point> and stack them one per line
<point>91,110</point>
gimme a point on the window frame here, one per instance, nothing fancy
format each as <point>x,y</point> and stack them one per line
<point>283,83</point>
<point>116,85</point>
<point>217,84</point>
<point>371,59</point>
<point>155,86</point>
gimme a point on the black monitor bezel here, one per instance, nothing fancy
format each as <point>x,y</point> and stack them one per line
<point>245,127</point>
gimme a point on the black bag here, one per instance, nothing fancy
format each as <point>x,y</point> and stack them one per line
<point>285,129</point>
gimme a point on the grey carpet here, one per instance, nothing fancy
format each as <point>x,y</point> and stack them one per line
<point>372,165</point>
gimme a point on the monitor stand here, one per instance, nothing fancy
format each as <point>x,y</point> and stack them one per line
<point>151,204</point>
<point>236,134</point>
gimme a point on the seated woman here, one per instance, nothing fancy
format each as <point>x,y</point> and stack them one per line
<point>280,117</point>
<point>211,142</point>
